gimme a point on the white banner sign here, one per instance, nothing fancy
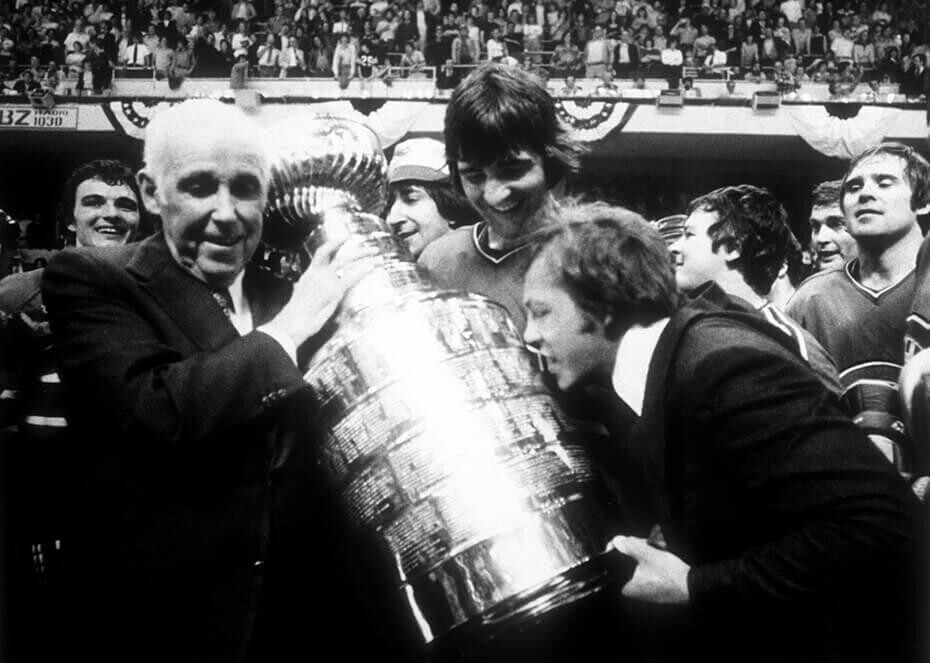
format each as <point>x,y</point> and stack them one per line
<point>27,117</point>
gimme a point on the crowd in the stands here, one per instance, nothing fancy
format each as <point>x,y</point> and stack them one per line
<point>76,47</point>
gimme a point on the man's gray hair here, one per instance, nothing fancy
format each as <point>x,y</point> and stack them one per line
<point>207,115</point>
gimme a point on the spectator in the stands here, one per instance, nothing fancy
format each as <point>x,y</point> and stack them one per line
<point>413,61</point>
<point>74,60</point>
<point>437,49</point>
<point>864,51</point>
<point>607,87</point>
<point>78,35</point>
<point>684,31</point>
<point>571,88</point>
<point>166,28</point>
<point>671,55</point>
<point>916,79</point>
<point>101,68</point>
<point>625,55</point>
<point>267,56</point>
<point>688,88</point>
<point>566,58</point>
<point>842,46</point>
<point>319,58</point>
<point>768,51</point>
<point>801,38</point>
<point>241,40</point>
<point>290,58</point>
<point>596,54</point>
<point>749,52</point>
<point>243,10</point>
<point>407,30</point>
<point>226,55</point>
<point>730,91</point>
<point>137,53</point>
<point>279,20</point>
<point>464,51</point>
<point>716,61</point>
<point>182,64</point>
<point>495,46</point>
<point>161,58</point>
<point>239,73</point>
<point>27,84</point>
<point>344,57</point>
<point>703,43</point>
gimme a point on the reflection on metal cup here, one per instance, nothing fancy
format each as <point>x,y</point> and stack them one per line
<point>442,442</point>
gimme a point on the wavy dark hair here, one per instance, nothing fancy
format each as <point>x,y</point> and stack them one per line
<point>827,194</point>
<point>450,203</point>
<point>112,172</point>
<point>750,220</point>
<point>613,264</point>
<point>499,110</point>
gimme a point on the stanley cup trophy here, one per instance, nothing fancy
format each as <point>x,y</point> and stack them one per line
<point>445,448</point>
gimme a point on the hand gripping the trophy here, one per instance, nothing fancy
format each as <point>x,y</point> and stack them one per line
<point>337,266</point>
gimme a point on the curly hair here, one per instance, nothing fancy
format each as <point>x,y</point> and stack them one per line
<point>612,262</point>
<point>499,110</point>
<point>751,221</point>
<point>916,170</point>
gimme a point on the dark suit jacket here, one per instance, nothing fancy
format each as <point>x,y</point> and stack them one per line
<point>633,51</point>
<point>195,503</point>
<point>798,532</point>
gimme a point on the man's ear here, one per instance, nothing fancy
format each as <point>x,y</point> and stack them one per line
<point>729,252</point>
<point>148,189</point>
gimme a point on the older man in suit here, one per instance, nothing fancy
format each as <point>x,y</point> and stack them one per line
<point>200,527</point>
<point>776,531</point>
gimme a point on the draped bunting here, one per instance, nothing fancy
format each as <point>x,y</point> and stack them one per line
<point>842,138</point>
<point>593,120</point>
<point>391,121</point>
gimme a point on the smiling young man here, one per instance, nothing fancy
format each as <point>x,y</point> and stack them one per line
<point>508,153</point>
<point>831,242</point>
<point>424,205</point>
<point>193,493</point>
<point>738,238</point>
<point>859,312</point>
<point>99,207</point>
<point>768,499</point>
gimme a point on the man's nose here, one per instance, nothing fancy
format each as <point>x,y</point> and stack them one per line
<point>394,215</point>
<point>110,209</point>
<point>224,208</point>
<point>531,334</point>
<point>495,192</point>
<point>822,235</point>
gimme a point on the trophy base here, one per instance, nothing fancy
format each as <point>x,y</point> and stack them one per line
<point>567,616</point>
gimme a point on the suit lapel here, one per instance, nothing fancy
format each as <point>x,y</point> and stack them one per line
<point>267,294</point>
<point>649,434</point>
<point>183,297</point>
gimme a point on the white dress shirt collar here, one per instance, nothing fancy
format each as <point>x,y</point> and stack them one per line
<point>242,313</point>
<point>631,368</point>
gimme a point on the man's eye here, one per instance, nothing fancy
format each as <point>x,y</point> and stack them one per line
<point>246,187</point>
<point>199,187</point>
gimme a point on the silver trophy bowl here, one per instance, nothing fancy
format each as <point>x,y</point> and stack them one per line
<point>445,447</point>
